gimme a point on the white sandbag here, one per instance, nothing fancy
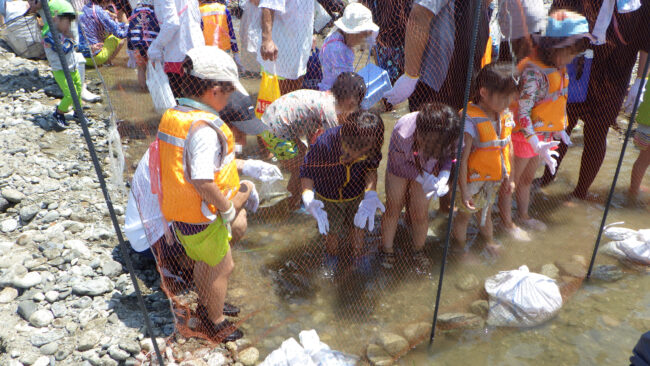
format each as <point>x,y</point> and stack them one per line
<point>635,250</point>
<point>618,233</point>
<point>24,37</point>
<point>312,352</point>
<point>158,85</point>
<point>519,298</point>
<point>15,9</point>
<point>290,353</point>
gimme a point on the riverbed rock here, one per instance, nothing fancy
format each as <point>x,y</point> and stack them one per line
<point>550,270</point>
<point>467,282</point>
<point>78,248</point>
<point>8,225</point>
<point>147,345</point>
<point>26,308</point>
<point>41,318</point>
<point>111,268</point>
<point>41,339</point>
<point>4,204</point>
<point>480,308</point>
<point>572,268</point>
<point>117,353</point>
<point>8,294</point>
<point>95,287</point>
<point>42,361</point>
<point>28,280</point>
<point>608,273</point>
<point>394,344</point>
<point>216,359</point>
<point>12,195</point>
<point>27,213</point>
<point>417,332</point>
<point>249,356</point>
<point>378,355</point>
<point>450,321</point>
<point>87,340</point>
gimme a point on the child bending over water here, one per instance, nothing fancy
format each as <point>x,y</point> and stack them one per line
<point>486,162</point>
<point>339,182</point>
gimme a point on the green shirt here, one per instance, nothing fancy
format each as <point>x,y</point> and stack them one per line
<point>643,113</point>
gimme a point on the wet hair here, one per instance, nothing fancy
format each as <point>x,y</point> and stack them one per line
<point>362,128</point>
<point>349,85</point>
<point>193,86</point>
<point>440,119</point>
<point>497,77</point>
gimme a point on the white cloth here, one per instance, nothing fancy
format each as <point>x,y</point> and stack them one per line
<point>203,149</point>
<point>14,9</point>
<point>180,28</point>
<point>293,28</point>
<point>516,22</point>
<point>603,21</point>
<point>144,222</point>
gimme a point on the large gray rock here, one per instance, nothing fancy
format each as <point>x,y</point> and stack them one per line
<point>95,287</point>
<point>12,195</point>
<point>572,268</point>
<point>130,345</point>
<point>41,318</point>
<point>49,349</point>
<point>51,216</point>
<point>467,282</point>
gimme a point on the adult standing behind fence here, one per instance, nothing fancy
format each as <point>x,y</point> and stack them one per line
<point>437,52</point>
<point>287,30</point>
<point>180,31</point>
<point>103,34</point>
<point>518,19</point>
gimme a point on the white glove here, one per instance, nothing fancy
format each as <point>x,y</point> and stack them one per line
<point>429,184</point>
<point>631,95</point>
<point>563,136</point>
<point>543,148</point>
<point>403,88</point>
<point>155,55</point>
<point>253,201</point>
<point>261,170</point>
<point>442,186</point>
<point>315,208</point>
<point>367,208</point>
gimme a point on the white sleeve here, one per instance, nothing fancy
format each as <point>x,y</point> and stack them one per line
<point>470,128</point>
<point>204,150</point>
<point>277,5</point>
<point>167,16</point>
<point>434,5</point>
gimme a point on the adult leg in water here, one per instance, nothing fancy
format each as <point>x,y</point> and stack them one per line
<point>593,154</point>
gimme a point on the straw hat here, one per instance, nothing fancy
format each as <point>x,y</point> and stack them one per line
<point>356,19</point>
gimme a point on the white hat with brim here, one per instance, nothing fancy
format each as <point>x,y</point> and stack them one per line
<point>212,63</point>
<point>356,19</point>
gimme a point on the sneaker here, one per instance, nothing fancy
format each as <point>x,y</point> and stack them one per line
<point>330,265</point>
<point>518,233</point>
<point>422,264</point>
<point>226,331</point>
<point>230,309</point>
<point>387,259</point>
<point>534,224</point>
<point>88,96</point>
<point>60,123</point>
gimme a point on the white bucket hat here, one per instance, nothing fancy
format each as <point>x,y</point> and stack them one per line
<point>212,63</point>
<point>356,19</point>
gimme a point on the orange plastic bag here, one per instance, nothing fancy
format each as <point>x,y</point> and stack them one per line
<point>269,92</point>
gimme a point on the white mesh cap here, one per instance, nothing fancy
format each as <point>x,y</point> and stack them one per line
<point>212,63</point>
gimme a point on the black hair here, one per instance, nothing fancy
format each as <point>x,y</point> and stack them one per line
<point>362,128</point>
<point>497,77</point>
<point>546,52</point>
<point>349,85</point>
<point>193,86</point>
<point>71,17</point>
<point>440,119</point>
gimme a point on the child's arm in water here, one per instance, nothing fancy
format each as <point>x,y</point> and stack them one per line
<point>462,173</point>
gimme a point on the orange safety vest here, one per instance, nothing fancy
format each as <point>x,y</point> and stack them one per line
<point>215,25</point>
<point>180,200</point>
<point>549,115</point>
<point>491,156</point>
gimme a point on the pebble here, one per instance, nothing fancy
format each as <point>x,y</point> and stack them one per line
<point>42,361</point>
<point>28,280</point>
<point>52,296</point>
<point>216,359</point>
<point>4,204</point>
<point>572,268</point>
<point>12,195</point>
<point>95,287</point>
<point>59,309</point>
<point>468,282</point>
<point>51,216</point>
<point>38,340</point>
<point>27,213</point>
<point>417,332</point>
<point>111,268</point>
<point>26,308</point>
<point>8,294</point>
<point>117,353</point>
<point>480,308</point>
<point>378,356</point>
<point>49,349</point>
<point>78,248</point>
<point>460,321</point>
<point>41,318</point>
<point>393,343</point>
<point>87,340</point>
<point>550,270</point>
<point>8,225</point>
<point>130,345</point>
<point>608,273</point>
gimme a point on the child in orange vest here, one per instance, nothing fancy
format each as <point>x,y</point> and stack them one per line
<point>217,26</point>
<point>487,152</point>
<point>541,109</point>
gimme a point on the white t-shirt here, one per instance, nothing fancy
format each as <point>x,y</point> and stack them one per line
<point>203,151</point>
<point>293,28</point>
<point>180,28</point>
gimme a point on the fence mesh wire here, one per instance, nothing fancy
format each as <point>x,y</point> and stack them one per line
<point>286,275</point>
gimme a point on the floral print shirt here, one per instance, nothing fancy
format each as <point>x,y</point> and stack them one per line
<point>534,90</point>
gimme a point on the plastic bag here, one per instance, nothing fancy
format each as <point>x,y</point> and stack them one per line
<point>158,85</point>
<point>519,298</point>
<point>628,244</point>
<point>618,233</point>
<point>269,92</point>
<point>312,352</point>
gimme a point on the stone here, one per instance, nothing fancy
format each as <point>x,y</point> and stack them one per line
<point>117,353</point>
<point>130,345</point>
<point>417,332</point>
<point>49,349</point>
<point>393,343</point>
<point>38,340</point>
<point>78,248</point>
<point>41,318</point>
<point>51,216</point>
<point>38,297</point>
<point>378,356</point>
<point>59,309</point>
<point>249,356</point>
<point>5,247</point>
<point>231,346</point>
<point>610,321</point>
<point>87,340</point>
<point>572,268</point>
<point>4,204</point>
<point>480,308</point>
<point>608,273</point>
<point>28,280</point>
<point>8,294</point>
<point>95,287</point>
<point>8,225</point>
<point>52,296</point>
<point>62,353</point>
<point>216,359</point>
<point>147,345</point>
<point>550,270</point>
<point>92,357</point>
<point>42,361</point>
<point>450,321</point>
<point>467,282</point>
<point>26,308</point>
<point>12,195</point>
<point>111,268</point>
<point>27,213</point>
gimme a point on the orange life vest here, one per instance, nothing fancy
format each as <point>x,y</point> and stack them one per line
<point>490,158</point>
<point>180,200</point>
<point>215,25</point>
<point>549,115</point>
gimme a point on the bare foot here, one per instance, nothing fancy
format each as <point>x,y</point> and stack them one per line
<point>494,249</point>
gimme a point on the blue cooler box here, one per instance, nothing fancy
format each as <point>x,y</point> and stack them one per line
<point>377,84</point>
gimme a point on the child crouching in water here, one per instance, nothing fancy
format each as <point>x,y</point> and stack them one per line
<point>419,160</point>
<point>339,182</point>
<point>487,153</point>
<point>143,29</point>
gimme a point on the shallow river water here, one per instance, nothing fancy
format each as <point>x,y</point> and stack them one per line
<point>278,283</point>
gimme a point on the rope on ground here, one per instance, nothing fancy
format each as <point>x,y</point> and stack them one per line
<point>98,170</point>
